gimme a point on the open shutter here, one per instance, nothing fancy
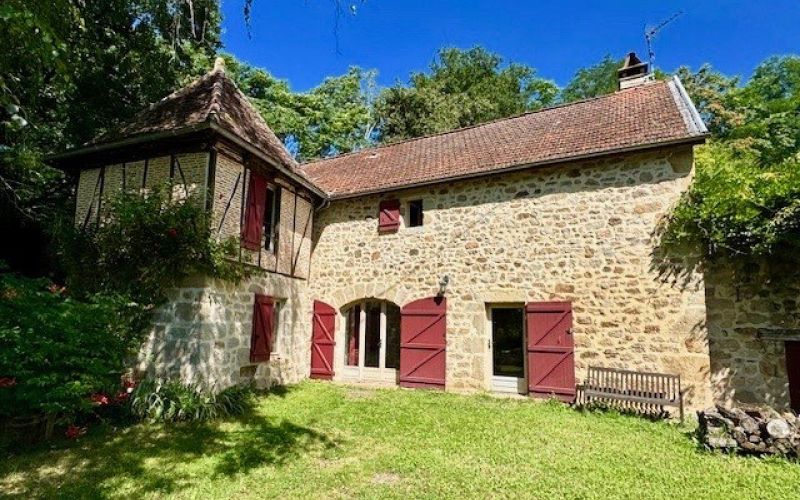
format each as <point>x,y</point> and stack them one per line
<point>322,343</point>
<point>423,329</point>
<point>263,327</point>
<point>389,216</point>
<point>253,225</point>
<point>551,350</point>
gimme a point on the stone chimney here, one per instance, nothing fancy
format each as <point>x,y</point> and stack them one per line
<point>633,72</point>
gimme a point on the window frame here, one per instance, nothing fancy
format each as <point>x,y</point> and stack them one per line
<point>411,208</point>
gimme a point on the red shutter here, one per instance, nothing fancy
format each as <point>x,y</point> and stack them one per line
<point>551,356</point>
<point>793,373</point>
<point>263,326</point>
<point>389,216</point>
<point>253,225</point>
<point>423,329</point>
<point>322,343</point>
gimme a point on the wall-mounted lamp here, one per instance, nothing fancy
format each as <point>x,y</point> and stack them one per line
<point>443,282</point>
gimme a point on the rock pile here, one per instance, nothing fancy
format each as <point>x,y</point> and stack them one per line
<point>750,431</point>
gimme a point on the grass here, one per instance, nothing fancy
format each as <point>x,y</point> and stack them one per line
<point>330,441</point>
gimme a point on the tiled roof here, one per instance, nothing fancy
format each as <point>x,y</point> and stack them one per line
<point>648,115</point>
<point>211,98</point>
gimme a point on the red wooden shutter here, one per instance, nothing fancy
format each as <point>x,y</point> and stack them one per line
<point>423,329</point>
<point>322,343</point>
<point>389,216</point>
<point>263,327</point>
<point>551,356</point>
<point>793,373</point>
<point>253,225</point>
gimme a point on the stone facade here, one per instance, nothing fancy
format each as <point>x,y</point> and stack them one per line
<point>753,309</point>
<point>202,335</point>
<point>582,232</point>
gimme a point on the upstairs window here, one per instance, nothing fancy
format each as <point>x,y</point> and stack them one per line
<point>415,213</point>
<point>272,218</point>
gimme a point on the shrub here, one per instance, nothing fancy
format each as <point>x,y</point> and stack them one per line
<point>155,401</point>
<point>144,246</point>
<point>55,351</point>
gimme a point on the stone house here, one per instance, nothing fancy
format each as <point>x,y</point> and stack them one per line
<point>507,256</point>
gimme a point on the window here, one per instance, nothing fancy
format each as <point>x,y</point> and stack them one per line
<point>272,217</point>
<point>415,213</point>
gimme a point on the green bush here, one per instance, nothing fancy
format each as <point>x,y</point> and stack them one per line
<point>56,351</point>
<point>156,401</point>
<point>144,246</point>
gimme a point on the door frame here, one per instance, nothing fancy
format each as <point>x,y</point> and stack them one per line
<point>496,384</point>
<point>361,373</point>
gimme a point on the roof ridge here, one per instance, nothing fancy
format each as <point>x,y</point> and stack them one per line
<point>482,124</point>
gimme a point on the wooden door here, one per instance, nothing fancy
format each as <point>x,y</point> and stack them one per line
<point>423,341</point>
<point>551,350</point>
<point>322,343</point>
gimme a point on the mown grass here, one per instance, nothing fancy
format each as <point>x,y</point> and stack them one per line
<point>331,441</point>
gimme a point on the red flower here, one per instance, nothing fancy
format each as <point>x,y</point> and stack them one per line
<point>121,397</point>
<point>6,382</point>
<point>73,432</point>
<point>55,289</point>
<point>172,232</point>
<point>99,398</point>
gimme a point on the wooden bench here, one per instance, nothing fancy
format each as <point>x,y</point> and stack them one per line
<point>626,390</point>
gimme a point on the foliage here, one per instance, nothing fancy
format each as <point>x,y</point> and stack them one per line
<point>745,200</point>
<point>593,81</point>
<point>58,350</point>
<point>145,246</point>
<point>158,401</point>
<point>323,440</point>
<point>335,117</point>
<point>463,88</point>
<point>739,207</point>
<point>72,69</point>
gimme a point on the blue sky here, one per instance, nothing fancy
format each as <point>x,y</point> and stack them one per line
<point>294,39</point>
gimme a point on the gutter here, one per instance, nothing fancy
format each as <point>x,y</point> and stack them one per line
<point>694,139</point>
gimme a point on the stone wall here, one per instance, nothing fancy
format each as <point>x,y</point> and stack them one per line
<point>581,232</point>
<point>752,308</point>
<point>202,335</point>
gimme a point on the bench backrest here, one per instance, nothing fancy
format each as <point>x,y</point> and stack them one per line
<point>645,387</point>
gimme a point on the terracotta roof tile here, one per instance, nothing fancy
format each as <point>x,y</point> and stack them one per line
<point>651,114</point>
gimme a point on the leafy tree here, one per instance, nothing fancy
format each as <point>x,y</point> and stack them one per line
<point>335,117</point>
<point>710,90</point>
<point>71,70</point>
<point>594,81</point>
<point>462,88</point>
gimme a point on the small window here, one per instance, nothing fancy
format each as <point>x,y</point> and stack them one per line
<point>272,218</point>
<point>415,213</point>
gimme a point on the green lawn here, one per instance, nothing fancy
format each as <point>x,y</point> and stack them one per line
<point>325,440</point>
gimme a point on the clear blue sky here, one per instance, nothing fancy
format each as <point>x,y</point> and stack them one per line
<point>294,39</point>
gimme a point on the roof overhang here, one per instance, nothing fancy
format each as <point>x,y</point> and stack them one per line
<point>68,160</point>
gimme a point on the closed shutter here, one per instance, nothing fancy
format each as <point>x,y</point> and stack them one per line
<point>253,224</point>
<point>551,350</point>
<point>263,328</point>
<point>423,341</point>
<point>389,216</point>
<point>322,343</point>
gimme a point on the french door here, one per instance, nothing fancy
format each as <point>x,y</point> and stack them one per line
<point>372,341</point>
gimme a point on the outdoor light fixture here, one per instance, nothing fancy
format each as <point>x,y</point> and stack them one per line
<point>443,282</point>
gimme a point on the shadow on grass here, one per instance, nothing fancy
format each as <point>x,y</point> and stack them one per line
<point>146,459</point>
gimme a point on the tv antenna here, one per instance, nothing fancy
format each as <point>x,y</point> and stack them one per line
<point>651,32</point>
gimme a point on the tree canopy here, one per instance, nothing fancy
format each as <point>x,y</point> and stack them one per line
<point>593,81</point>
<point>462,88</point>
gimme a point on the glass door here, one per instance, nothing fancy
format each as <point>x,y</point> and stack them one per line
<point>508,349</point>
